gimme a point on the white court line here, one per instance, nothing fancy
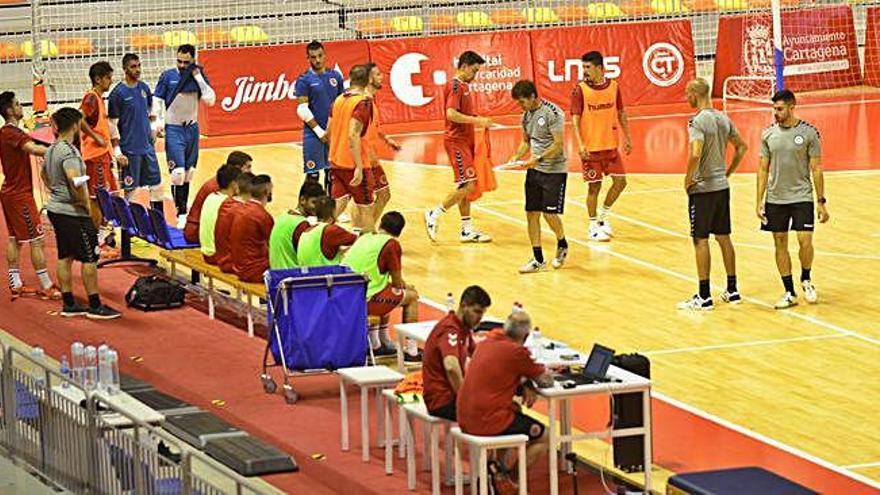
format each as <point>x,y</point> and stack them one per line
<point>735,345</point>
<point>739,429</point>
<point>661,269</point>
<point>862,466</point>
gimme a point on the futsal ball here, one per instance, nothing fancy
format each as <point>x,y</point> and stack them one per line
<point>248,34</point>
<point>403,23</point>
<point>473,18</point>
<point>540,14</point>
<point>173,39</point>
<point>48,48</point>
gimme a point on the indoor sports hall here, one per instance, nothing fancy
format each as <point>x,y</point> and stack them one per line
<point>753,397</point>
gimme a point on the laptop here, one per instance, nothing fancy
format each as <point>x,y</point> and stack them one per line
<point>595,369</point>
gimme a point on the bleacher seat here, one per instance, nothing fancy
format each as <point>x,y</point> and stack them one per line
<point>508,17</point>
<point>540,15</point>
<point>48,48</point>
<point>407,23</point>
<point>473,19</point>
<point>442,22</point>
<point>604,10</point>
<point>248,35</point>
<point>146,41</point>
<point>372,25</point>
<point>168,237</point>
<point>173,39</point>
<point>668,7</point>
<point>105,203</point>
<point>124,216</point>
<point>211,36</point>
<point>75,46</point>
<point>10,51</point>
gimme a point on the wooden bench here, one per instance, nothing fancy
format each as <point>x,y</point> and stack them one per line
<point>192,259</point>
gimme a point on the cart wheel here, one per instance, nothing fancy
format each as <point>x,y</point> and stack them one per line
<point>290,395</point>
<point>269,385</point>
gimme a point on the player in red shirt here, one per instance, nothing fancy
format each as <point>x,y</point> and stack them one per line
<point>229,209</point>
<point>249,235</point>
<point>23,222</point>
<point>496,372</point>
<point>459,142</point>
<point>323,244</point>
<point>447,350</point>
<point>238,159</point>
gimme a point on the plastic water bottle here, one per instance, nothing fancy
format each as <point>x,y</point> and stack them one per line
<point>90,368</point>
<point>77,351</point>
<point>537,344</point>
<point>65,370</point>
<point>113,365</point>
<point>517,307</point>
<point>38,355</point>
<point>450,302</point>
<point>104,372</point>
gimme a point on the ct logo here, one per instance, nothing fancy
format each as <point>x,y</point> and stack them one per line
<point>310,164</point>
<point>401,75</point>
<point>663,64</point>
<point>799,140</point>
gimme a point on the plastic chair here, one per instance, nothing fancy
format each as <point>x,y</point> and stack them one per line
<point>119,215</point>
<point>142,221</point>
<point>166,236</point>
<point>105,202</point>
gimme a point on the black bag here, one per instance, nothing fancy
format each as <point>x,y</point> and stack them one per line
<point>629,452</point>
<point>153,293</point>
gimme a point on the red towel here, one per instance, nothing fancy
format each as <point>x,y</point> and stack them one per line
<point>483,164</point>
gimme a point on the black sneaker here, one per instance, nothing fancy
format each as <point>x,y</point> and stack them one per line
<point>385,350</point>
<point>75,310</point>
<point>407,357</point>
<point>103,312</point>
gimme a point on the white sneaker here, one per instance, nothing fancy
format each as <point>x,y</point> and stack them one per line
<point>181,222</point>
<point>559,260</point>
<point>597,234</point>
<point>731,297</point>
<point>788,300</point>
<point>344,217</point>
<point>809,292</point>
<point>697,303</point>
<point>533,266</point>
<point>605,226</point>
<point>431,225</point>
<point>475,236</point>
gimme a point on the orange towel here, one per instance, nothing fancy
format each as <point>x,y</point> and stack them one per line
<point>412,383</point>
<point>483,164</point>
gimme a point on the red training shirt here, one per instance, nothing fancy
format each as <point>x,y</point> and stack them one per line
<point>448,338</point>
<point>191,231</point>
<point>249,241</point>
<point>457,95</point>
<point>485,402</point>
<point>229,209</point>
<point>16,162</point>
<point>333,238</point>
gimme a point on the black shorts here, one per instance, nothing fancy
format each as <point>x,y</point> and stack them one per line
<point>76,237</point>
<point>709,213</point>
<point>545,192</point>
<point>793,216</point>
<point>525,425</point>
<point>445,412</point>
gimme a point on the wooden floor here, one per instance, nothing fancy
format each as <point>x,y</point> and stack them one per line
<point>805,377</point>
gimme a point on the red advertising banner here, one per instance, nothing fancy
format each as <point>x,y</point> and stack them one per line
<point>818,46</point>
<point>653,61</point>
<point>417,69</point>
<point>255,85</point>
<point>872,46</point>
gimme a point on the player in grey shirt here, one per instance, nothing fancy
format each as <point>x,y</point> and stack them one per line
<point>790,152</point>
<point>543,124</point>
<point>705,182</point>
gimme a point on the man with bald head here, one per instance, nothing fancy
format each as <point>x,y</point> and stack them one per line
<point>705,182</point>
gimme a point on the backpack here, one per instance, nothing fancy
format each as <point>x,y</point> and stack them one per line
<point>153,293</point>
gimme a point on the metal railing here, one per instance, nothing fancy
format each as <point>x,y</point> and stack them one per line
<point>91,446</point>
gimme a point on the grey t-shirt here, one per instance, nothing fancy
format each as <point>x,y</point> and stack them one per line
<point>789,150</point>
<point>539,125</point>
<point>714,129</point>
<point>59,157</point>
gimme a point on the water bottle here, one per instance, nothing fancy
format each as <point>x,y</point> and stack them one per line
<point>65,370</point>
<point>77,351</point>
<point>517,307</point>
<point>537,344</point>
<point>90,368</point>
<point>450,302</point>
<point>113,365</point>
<point>38,355</point>
<point>104,372</point>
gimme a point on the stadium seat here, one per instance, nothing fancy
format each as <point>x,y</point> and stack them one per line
<point>508,17</point>
<point>168,237</point>
<point>474,18</point>
<point>146,41</point>
<point>173,39</point>
<point>407,23</point>
<point>372,25</point>
<point>75,46</point>
<point>105,203</point>
<point>248,35</point>
<point>211,36</point>
<point>10,51</point>
<point>142,222</point>
<point>668,7</point>
<point>572,13</point>
<point>124,216</point>
<point>540,15</point>
<point>48,48</point>
<point>442,22</point>
<point>636,7</point>
<point>728,5</point>
<point>604,10</point>
<point>701,5</point>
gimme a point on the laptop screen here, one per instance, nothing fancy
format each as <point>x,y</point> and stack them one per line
<point>599,360</point>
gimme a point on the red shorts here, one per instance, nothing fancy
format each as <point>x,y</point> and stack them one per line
<point>602,163</point>
<point>100,172</point>
<point>385,301</point>
<point>378,178</point>
<point>461,157</point>
<point>22,216</point>
<point>340,187</point>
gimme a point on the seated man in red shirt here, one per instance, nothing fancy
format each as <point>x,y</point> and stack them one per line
<point>229,208</point>
<point>249,237</point>
<point>447,350</point>
<point>324,243</point>
<point>501,365</point>
<point>237,159</point>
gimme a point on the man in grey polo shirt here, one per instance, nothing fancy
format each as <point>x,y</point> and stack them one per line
<point>709,133</point>
<point>64,174</point>
<point>543,124</point>
<point>790,151</point>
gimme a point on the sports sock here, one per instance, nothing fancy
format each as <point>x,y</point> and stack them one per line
<point>45,281</point>
<point>467,225</point>
<point>158,206</point>
<point>384,338</point>
<point>603,212</point>
<point>327,181</point>
<point>594,222</point>
<point>14,278</point>
<point>805,274</point>
<point>731,283</point>
<point>437,211</point>
<point>538,254</point>
<point>184,198</point>
<point>561,243</point>
<point>94,301</point>
<point>789,284</point>
<point>705,291</point>
<point>411,348</point>
<point>67,297</point>
<point>374,336</point>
